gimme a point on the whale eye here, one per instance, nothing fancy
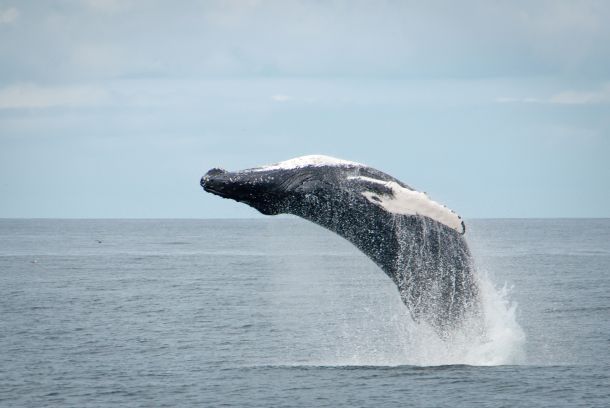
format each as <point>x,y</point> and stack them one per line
<point>374,197</point>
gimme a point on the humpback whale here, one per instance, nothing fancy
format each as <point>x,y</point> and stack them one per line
<point>416,241</point>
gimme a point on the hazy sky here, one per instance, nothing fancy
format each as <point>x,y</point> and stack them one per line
<point>116,108</point>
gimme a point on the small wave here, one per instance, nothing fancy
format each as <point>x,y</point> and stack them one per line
<point>312,366</point>
<point>578,309</point>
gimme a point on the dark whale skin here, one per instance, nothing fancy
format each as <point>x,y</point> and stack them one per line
<point>429,262</point>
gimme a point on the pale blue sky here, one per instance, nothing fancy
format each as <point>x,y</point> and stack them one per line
<point>116,108</point>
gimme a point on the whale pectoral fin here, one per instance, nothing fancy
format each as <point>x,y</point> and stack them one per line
<point>375,198</point>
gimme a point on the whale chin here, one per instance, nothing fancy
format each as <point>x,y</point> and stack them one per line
<point>215,192</point>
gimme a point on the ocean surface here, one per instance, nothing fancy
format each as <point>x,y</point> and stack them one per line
<point>280,312</point>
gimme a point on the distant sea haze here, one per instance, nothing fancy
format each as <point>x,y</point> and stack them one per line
<point>280,312</point>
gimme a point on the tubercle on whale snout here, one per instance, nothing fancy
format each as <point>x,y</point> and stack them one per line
<point>216,171</point>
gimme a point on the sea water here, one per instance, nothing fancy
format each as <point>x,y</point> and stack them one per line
<point>280,312</point>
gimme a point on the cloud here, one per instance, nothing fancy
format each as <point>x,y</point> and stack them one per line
<point>508,99</point>
<point>281,98</point>
<point>32,96</point>
<point>108,6</point>
<point>601,95</point>
<point>9,15</point>
<point>291,38</point>
<point>591,97</point>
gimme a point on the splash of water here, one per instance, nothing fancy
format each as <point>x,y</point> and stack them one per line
<point>488,333</point>
<point>384,332</point>
<point>492,338</point>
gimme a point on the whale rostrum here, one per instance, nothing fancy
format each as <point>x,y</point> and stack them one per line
<point>416,241</point>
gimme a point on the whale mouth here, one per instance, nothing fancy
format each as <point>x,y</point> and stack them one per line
<point>205,184</point>
<point>215,192</point>
<point>225,194</point>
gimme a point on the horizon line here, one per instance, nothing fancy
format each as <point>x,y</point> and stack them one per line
<point>279,216</point>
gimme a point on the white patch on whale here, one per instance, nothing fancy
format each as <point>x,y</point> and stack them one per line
<point>412,202</point>
<point>314,160</point>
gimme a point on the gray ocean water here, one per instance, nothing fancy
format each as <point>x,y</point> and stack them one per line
<point>279,312</point>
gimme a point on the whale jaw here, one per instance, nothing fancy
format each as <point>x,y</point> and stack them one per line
<point>256,190</point>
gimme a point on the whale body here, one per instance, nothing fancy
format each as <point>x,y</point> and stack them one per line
<point>416,241</point>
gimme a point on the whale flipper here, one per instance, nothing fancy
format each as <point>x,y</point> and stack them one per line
<point>416,241</point>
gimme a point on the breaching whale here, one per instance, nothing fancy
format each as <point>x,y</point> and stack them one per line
<point>416,241</point>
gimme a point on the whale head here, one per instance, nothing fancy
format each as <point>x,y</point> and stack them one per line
<point>270,189</point>
<point>263,191</point>
<point>273,189</point>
